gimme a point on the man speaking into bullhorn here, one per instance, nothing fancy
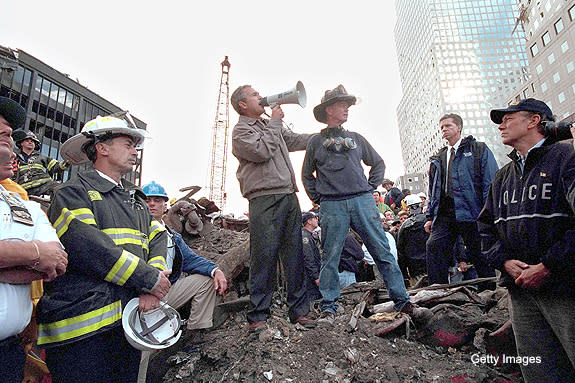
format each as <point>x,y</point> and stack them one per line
<point>267,180</point>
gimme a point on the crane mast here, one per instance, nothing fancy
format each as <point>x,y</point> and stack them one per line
<point>219,154</point>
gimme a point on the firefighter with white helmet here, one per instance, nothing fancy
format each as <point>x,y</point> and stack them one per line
<point>34,171</point>
<point>116,253</point>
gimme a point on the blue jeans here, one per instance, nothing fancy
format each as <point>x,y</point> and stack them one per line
<point>346,278</point>
<point>361,214</point>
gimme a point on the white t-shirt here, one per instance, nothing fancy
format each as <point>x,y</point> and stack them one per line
<point>392,248</point>
<point>15,303</point>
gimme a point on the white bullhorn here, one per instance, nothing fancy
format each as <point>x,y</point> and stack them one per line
<point>296,95</point>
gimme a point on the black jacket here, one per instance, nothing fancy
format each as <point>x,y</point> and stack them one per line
<point>412,238</point>
<point>350,254</point>
<point>529,216</point>
<point>311,253</point>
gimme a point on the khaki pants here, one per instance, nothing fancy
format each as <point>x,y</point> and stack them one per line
<point>199,291</point>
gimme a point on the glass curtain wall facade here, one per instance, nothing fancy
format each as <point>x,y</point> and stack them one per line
<point>455,56</point>
<point>550,29</point>
<point>57,107</point>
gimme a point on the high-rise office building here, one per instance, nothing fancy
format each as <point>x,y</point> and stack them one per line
<point>455,56</point>
<point>550,29</point>
<point>56,106</point>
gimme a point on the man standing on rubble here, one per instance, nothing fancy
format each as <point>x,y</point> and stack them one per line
<point>333,177</point>
<point>116,252</point>
<point>29,251</point>
<point>312,256</point>
<point>459,178</point>
<point>267,180</point>
<point>528,232</point>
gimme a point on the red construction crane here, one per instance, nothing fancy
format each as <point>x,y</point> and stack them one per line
<point>219,156</point>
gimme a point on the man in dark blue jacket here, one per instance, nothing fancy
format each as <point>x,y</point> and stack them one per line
<point>459,179</point>
<point>311,254</point>
<point>334,178</point>
<point>528,232</point>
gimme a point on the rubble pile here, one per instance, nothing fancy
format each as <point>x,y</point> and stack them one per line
<point>369,341</point>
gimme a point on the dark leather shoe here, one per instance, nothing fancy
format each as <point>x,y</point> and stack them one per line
<point>257,326</point>
<point>305,322</point>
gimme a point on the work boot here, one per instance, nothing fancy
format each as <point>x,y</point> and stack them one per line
<point>417,313</point>
<point>326,320</point>
<point>257,326</point>
<point>196,336</point>
<point>305,322</point>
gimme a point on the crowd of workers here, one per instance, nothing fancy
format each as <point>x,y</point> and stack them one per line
<point>109,262</point>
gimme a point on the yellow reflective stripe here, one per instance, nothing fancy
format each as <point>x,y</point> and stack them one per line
<point>51,164</point>
<point>32,166</point>
<point>34,183</point>
<point>84,215</point>
<point>155,228</point>
<point>124,235</point>
<point>158,262</point>
<point>80,325</point>
<point>123,268</point>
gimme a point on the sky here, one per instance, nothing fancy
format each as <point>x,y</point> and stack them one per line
<point>161,61</point>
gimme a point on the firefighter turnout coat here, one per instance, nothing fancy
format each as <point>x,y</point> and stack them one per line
<point>38,170</point>
<point>115,253</point>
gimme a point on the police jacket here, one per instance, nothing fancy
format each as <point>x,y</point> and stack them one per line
<point>529,216</point>
<point>185,260</point>
<point>115,253</point>
<point>311,254</point>
<point>37,170</point>
<point>336,173</point>
<point>468,201</point>
<point>412,238</point>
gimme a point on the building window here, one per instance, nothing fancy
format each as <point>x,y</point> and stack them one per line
<point>572,13</point>
<point>551,58</point>
<point>534,49</point>
<point>564,47</point>
<point>539,69</point>
<point>561,97</point>
<point>556,77</point>
<point>559,26</point>
<point>570,66</point>
<point>544,87</point>
<point>546,38</point>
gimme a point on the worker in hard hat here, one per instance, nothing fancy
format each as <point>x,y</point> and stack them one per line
<point>116,250</point>
<point>199,288</point>
<point>35,171</point>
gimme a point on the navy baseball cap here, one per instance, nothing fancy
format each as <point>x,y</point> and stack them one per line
<point>307,215</point>
<point>12,112</point>
<point>527,105</point>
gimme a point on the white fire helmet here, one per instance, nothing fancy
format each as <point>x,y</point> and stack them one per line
<point>72,149</point>
<point>151,330</point>
<point>412,199</point>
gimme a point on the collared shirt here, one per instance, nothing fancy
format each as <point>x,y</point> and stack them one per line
<point>456,146</point>
<point>106,177</point>
<point>15,303</point>
<point>523,158</point>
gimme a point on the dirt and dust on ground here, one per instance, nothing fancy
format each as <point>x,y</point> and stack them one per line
<point>360,347</point>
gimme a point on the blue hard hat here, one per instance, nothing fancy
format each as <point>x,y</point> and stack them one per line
<point>154,189</point>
